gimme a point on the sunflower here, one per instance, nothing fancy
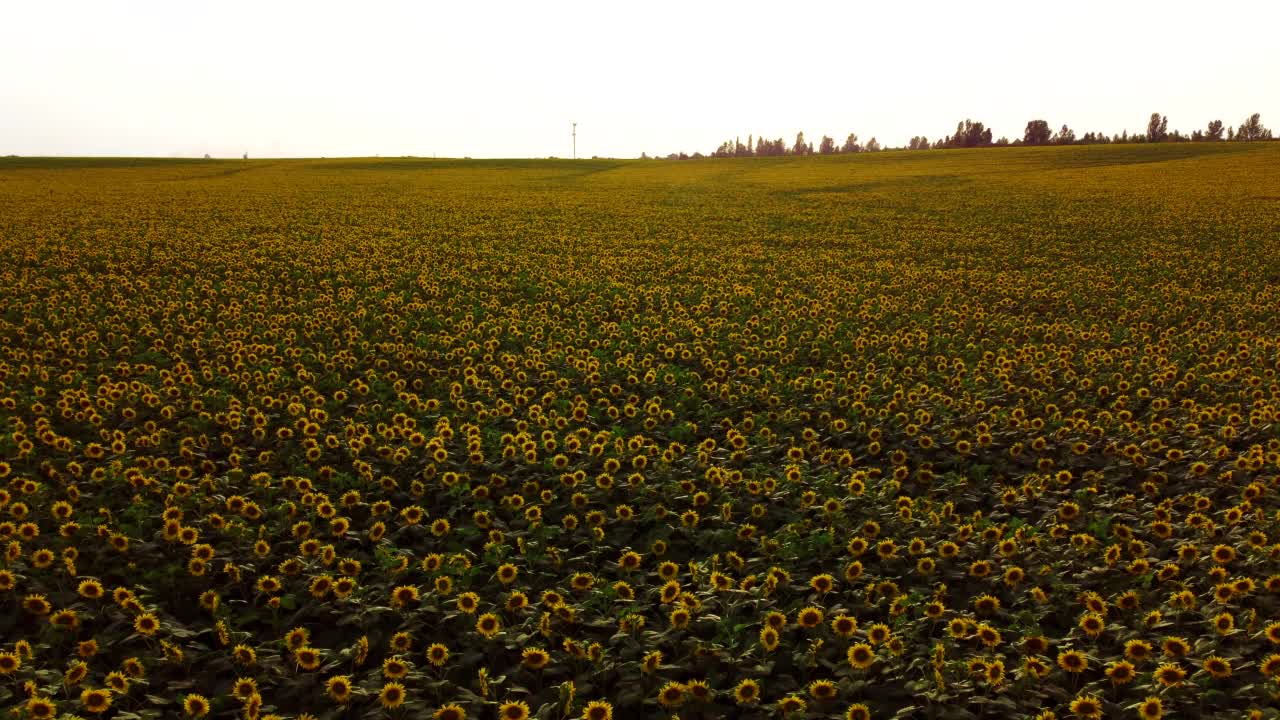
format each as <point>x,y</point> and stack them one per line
<point>9,663</point>
<point>244,688</point>
<point>1169,674</point>
<point>879,633</point>
<point>514,710</point>
<point>1035,667</point>
<point>1087,706</point>
<point>296,638</point>
<point>244,655</point>
<point>133,668</point>
<point>36,605</point>
<point>196,706</point>
<point>391,696</point>
<point>769,638</point>
<point>822,584</point>
<point>988,635</point>
<point>308,658</point>
<point>810,617</point>
<point>1272,633</point>
<point>1073,661</point>
<point>1137,650</point>
<point>1223,554</point>
<point>1270,667</point>
<point>468,602</point>
<point>90,589</point>
<point>844,625</point>
<point>1121,672</point>
<point>535,658</point>
<point>791,705</point>
<point>823,690</point>
<point>861,656</point>
<point>680,618</point>
<point>41,708</point>
<point>403,595</point>
<point>1092,625</point>
<point>394,668</point>
<point>1151,709</point>
<point>671,694</point>
<point>747,692</point>
<point>1224,623</point>
<point>95,700</point>
<point>1175,647</point>
<point>488,625</point>
<point>1218,667</point>
<point>437,654</point>
<point>75,673</point>
<point>598,710</point>
<point>858,712</point>
<point>651,661</point>
<point>118,682</point>
<point>986,604</point>
<point>449,712</point>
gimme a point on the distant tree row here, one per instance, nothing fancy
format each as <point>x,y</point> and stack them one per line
<point>971,134</point>
<point>760,147</point>
<point>1252,129</point>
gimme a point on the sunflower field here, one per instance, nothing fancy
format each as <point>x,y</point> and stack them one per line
<point>953,435</point>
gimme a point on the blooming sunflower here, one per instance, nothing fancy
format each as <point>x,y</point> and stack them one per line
<point>1087,706</point>
<point>792,705</point>
<point>1073,661</point>
<point>41,708</point>
<point>1151,709</point>
<point>671,694</point>
<point>535,658</point>
<point>861,656</point>
<point>1218,667</point>
<point>195,706</point>
<point>858,712</point>
<point>449,712</point>
<point>747,692</point>
<point>488,625</point>
<point>392,695</point>
<point>514,710</point>
<point>437,654</point>
<point>95,700</point>
<point>1169,674</point>
<point>823,690</point>
<point>1121,672</point>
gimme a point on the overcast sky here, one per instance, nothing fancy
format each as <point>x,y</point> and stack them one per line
<point>489,79</point>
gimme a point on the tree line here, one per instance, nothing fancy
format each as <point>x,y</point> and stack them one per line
<point>970,134</point>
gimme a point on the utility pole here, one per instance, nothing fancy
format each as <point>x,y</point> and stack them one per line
<point>575,141</point>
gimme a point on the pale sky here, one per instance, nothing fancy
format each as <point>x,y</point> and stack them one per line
<point>506,79</point>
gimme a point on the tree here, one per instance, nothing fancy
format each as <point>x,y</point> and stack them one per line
<point>1065,136</point>
<point>1157,128</point>
<point>800,147</point>
<point>827,146</point>
<point>1214,133</point>
<point>873,145</point>
<point>1037,133</point>
<point>969,134</point>
<point>918,142</point>
<point>1252,129</point>
<point>851,144</point>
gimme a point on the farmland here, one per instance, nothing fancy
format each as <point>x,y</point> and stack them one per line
<point>951,434</point>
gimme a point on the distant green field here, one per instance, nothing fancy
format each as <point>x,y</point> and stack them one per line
<point>943,434</point>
